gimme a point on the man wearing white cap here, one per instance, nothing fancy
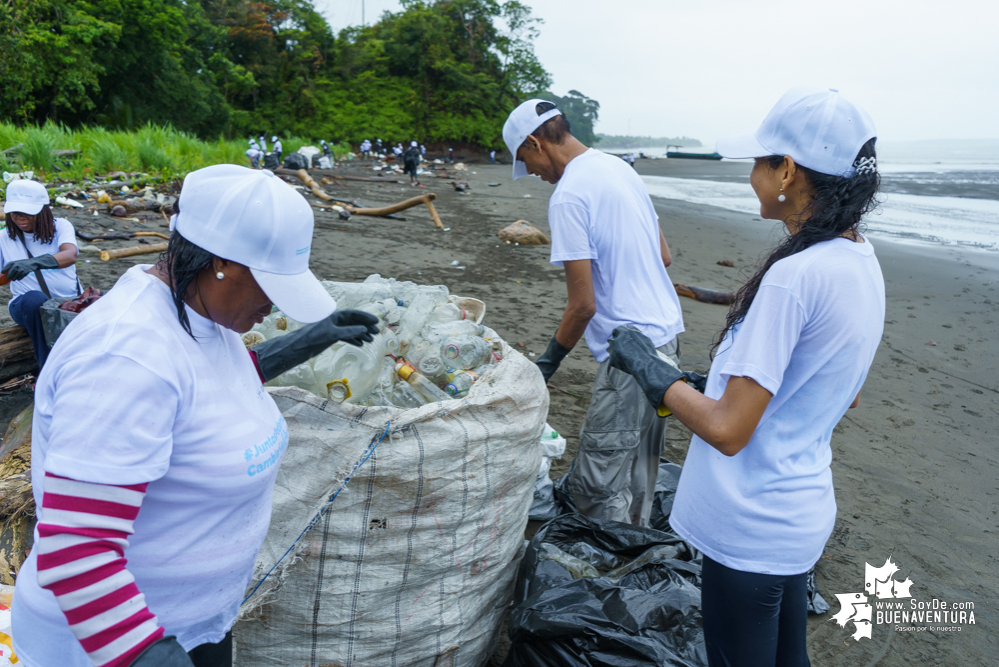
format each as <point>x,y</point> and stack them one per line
<point>605,233</point>
<point>276,147</point>
<point>151,401</point>
<point>411,162</point>
<point>38,254</point>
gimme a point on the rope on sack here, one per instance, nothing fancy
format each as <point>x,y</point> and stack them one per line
<point>319,515</point>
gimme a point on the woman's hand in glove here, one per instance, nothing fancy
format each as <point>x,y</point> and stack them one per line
<point>167,652</point>
<point>631,351</point>
<point>277,355</point>
<point>20,268</point>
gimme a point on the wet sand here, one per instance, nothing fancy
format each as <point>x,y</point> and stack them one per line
<point>915,466</point>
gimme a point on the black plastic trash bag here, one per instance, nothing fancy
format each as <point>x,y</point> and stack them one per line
<point>296,161</point>
<point>605,594</point>
<point>54,319</point>
<point>272,161</point>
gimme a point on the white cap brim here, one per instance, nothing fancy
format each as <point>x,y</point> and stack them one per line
<point>300,296</point>
<point>519,169</point>
<point>741,146</point>
<point>21,207</point>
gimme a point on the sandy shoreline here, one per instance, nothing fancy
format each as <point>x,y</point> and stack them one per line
<point>915,466</point>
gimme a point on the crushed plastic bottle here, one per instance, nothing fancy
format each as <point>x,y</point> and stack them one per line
<point>448,313</point>
<point>460,382</point>
<point>466,351</point>
<point>415,317</point>
<point>433,368</point>
<point>422,385</point>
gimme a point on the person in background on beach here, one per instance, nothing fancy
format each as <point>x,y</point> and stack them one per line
<point>492,156</point>
<point>756,492</point>
<point>262,142</point>
<point>631,160</point>
<point>155,446</point>
<point>254,153</point>
<point>411,162</point>
<point>276,147</point>
<point>38,254</point>
<point>605,233</point>
<point>423,151</point>
<point>450,155</point>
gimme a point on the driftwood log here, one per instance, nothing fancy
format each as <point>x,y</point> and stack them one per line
<point>133,250</point>
<point>704,295</point>
<point>17,506</point>
<point>426,199</point>
<point>17,357</point>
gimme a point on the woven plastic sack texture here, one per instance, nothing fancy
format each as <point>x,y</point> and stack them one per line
<point>414,562</point>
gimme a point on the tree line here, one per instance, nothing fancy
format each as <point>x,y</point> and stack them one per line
<point>437,70</point>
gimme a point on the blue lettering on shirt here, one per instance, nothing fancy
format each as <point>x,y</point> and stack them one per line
<point>275,444</point>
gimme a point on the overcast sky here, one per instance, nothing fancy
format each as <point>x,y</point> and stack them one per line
<point>923,69</point>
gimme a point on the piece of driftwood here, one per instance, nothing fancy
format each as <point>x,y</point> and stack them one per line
<point>133,250</point>
<point>117,236</point>
<point>426,199</point>
<point>17,356</point>
<point>17,505</point>
<point>704,295</point>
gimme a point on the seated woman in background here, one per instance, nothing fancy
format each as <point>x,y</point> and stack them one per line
<point>38,255</point>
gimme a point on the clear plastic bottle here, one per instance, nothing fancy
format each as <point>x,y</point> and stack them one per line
<point>433,368</point>
<point>352,373</point>
<point>415,318</point>
<point>465,351</point>
<point>404,396</point>
<point>299,376</point>
<point>427,389</point>
<point>457,328</point>
<point>460,383</point>
<point>447,313</point>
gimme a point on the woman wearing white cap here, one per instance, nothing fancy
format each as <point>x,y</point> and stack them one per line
<point>38,255</point>
<point>152,432</point>
<point>756,492</point>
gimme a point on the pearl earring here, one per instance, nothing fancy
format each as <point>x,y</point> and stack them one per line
<point>781,198</point>
<point>221,275</point>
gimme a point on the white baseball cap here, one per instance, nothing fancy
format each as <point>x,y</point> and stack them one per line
<point>819,128</point>
<point>25,196</point>
<point>522,121</point>
<point>412,143</point>
<point>252,217</point>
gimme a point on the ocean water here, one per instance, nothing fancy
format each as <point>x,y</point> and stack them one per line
<point>941,193</point>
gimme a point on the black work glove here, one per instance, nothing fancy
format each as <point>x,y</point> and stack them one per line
<point>553,356</point>
<point>167,652</point>
<point>279,354</point>
<point>20,268</point>
<point>631,351</point>
<point>696,380</point>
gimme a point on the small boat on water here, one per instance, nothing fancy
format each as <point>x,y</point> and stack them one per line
<point>693,156</point>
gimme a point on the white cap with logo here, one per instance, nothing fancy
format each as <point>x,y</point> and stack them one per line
<point>252,217</point>
<point>522,121</point>
<point>819,128</point>
<point>25,196</point>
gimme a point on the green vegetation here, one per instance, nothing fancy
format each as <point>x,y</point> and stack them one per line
<point>162,152</point>
<point>625,141</point>
<point>436,71</point>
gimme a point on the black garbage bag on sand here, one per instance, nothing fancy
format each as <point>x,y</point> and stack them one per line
<point>605,594</point>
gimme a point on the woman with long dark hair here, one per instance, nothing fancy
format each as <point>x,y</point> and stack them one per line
<point>153,437</point>
<point>756,493</point>
<point>38,255</point>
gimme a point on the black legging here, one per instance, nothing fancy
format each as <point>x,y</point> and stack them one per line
<point>753,620</point>
<point>213,655</point>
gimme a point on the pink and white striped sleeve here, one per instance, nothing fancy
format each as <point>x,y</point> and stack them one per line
<point>83,531</point>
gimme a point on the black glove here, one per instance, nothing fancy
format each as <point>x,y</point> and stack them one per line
<point>20,268</point>
<point>631,351</point>
<point>279,354</point>
<point>696,380</point>
<point>167,652</point>
<point>553,356</point>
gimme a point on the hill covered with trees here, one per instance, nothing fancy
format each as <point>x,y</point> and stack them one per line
<point>438,70</point>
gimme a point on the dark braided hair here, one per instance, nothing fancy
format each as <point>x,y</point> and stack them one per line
<point>44,226</point>
<point>184,261</point>
<point>837,205</point>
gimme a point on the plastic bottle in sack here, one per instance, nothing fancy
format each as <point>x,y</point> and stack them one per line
<point>460,383</point>
<point>299,376</point>
<point>404,396</point>
<point>457,328</point>
<point>433,368</point>
<point>353,371</point>
<point>427,389</point>
<point>448,313</point>
<point>251,338</point>
<point>415,318</point>
<point>465,351</point>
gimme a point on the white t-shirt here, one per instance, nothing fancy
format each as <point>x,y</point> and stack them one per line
<point>809,339</point>
<point>602,212</point>
<point>61,282</point>
<point>127,397</point>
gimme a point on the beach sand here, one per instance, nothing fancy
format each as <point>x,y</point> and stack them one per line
<point>915,465</point>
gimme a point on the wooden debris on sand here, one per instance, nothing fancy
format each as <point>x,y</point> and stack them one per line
<point>17,505</point>
<point>524,233</point>
<point>704,295</point>
<point>426,199</point>
<point>17,356</point>
<point>133,250</point>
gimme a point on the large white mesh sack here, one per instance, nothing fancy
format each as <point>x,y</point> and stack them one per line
<point>414,561</point>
